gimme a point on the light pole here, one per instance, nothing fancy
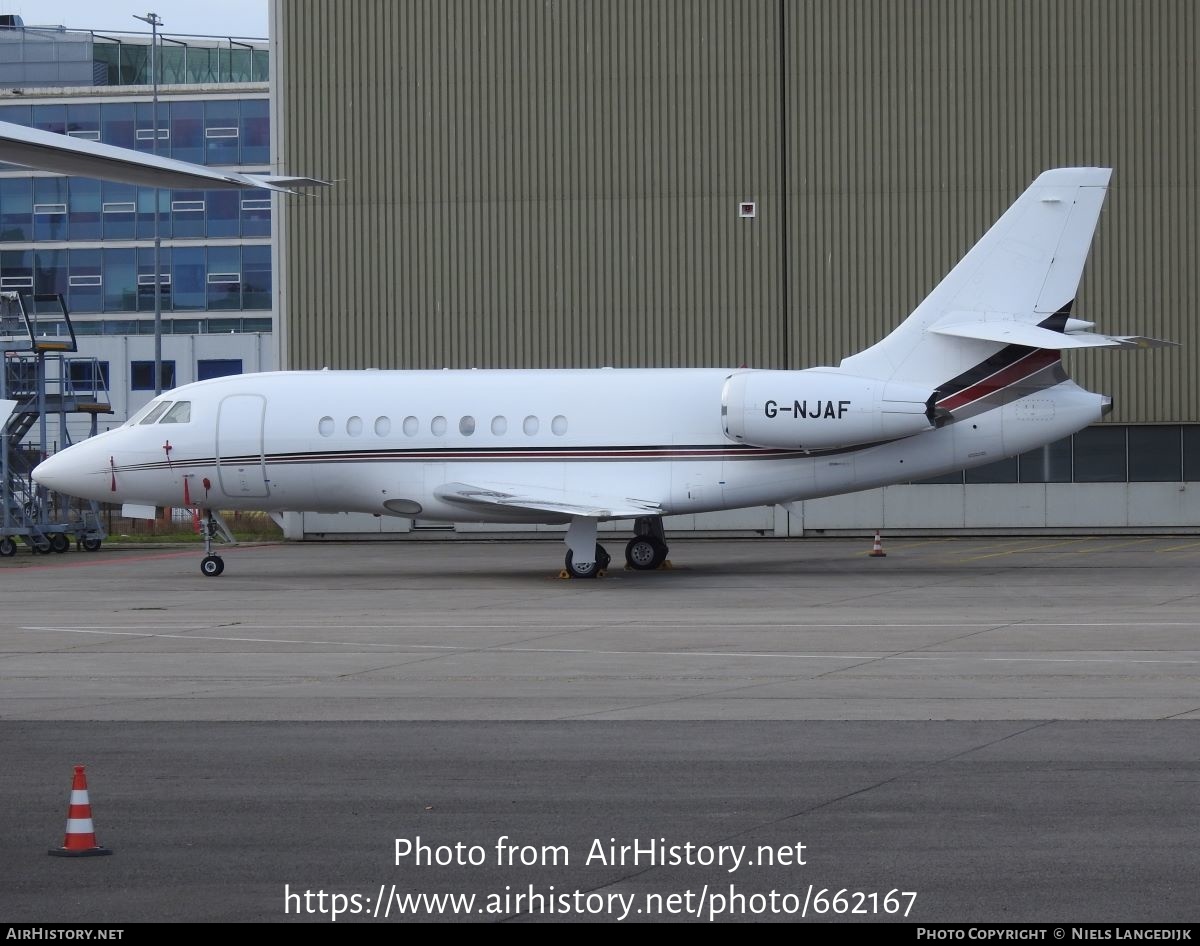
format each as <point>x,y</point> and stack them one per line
<point>155,22</point>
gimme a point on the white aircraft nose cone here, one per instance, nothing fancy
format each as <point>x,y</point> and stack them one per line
<point>50,473</point>
<point>67,472</point>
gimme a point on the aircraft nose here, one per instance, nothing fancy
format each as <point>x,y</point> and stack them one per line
<point>50,473</point>
<point>67,472</point>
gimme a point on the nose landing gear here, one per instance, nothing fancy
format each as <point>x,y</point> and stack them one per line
<point>212,526</point>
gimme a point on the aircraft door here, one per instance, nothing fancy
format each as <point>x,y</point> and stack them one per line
<point>241,466</point>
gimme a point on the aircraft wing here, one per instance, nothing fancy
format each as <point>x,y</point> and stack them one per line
<point>544,499</point>
<point>48,151</point>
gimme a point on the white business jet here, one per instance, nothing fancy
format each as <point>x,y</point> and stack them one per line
<point>973,375</point>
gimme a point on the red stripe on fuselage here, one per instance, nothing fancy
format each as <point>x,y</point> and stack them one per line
<point>1019,370</point>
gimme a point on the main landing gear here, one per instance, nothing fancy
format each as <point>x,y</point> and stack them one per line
<point>647,550</point>
<point>586,558</point>
<point>212,526</point>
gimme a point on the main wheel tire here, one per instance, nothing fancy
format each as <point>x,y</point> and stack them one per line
<point>91,543</point>
<point>212,565</point>
<point>8,547</point>
<point>59,542</point>
<point>592,569</point>
<point>645,553</point>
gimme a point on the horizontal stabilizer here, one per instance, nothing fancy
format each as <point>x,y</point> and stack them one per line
<point>543,499</point>
<point>1009,332</point>
<point>62,154</point>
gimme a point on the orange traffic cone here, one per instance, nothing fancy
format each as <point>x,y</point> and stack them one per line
<point>80,840</point>
<point>877,550</point>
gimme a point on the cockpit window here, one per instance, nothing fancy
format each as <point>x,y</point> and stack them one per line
<point>155,413</point>
<point>181,413</point>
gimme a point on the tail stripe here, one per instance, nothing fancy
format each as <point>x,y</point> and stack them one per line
<point>1027,361</point>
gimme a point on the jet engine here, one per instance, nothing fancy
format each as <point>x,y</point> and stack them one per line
<point>821,409</point>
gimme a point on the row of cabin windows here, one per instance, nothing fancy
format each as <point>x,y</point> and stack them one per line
<point>411,426</point>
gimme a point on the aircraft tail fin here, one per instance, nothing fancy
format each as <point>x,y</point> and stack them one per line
<point>1015,287</point>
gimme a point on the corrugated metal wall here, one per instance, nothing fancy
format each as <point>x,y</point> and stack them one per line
<point>557,183</point>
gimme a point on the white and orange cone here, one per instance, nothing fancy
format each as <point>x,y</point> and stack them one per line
<point>80,840</point>
<point>877,549</point>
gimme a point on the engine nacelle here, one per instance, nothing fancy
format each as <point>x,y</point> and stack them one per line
<point>820,409</point>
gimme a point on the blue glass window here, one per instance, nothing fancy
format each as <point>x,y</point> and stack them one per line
<point>16,209</point>
<point>221,132</point>
<point>224,277</point>
<point>50,271</point>
<point>83,121</point>
<point>223,209</point>
<point>50,208</point>
<point>120,280</point>
<point>85,283</point>
<point>188,286</point>
<point>17,114</point>
<point>207,368</point>
<point>141,375</point>
<point>256,277</point>
<point>187,213</point>
<point>50,118</point>
<point>145,278</point>
<point>144,132</point>
<point>187,131</point>
<point>16,269</point>
<point>117,124</point>
<point>84,375</point>
<point>118,207</point>
<point>84,209</point>
<point>145,213</point>
<point>256,131</point>
<point>256,213</point>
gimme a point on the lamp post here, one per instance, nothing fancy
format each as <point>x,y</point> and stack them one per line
<point>155,22</point>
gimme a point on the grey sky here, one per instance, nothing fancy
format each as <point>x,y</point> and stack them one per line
<point>212,17</point>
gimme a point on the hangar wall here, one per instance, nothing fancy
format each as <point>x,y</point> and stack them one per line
<point>557,183</point>
<point>534,184</point>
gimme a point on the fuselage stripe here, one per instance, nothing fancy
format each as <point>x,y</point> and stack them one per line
<point>1029,364</point>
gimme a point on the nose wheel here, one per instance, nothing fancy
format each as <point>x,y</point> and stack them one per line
<point>212,526</point>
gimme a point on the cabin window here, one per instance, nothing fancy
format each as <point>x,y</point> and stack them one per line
<point>354,426</point>
<point>412,426</point>
<point>156,411</point>
<point>530,426</point>
<point>438,426</point>
<point>181,413</point>
<point>466,426</point>
<point>325,426</point>
<point>383,426</point>
<point>499,426</point>
<point>559,425</point>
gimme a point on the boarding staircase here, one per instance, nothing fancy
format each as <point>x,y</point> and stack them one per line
<point>42,378</point>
